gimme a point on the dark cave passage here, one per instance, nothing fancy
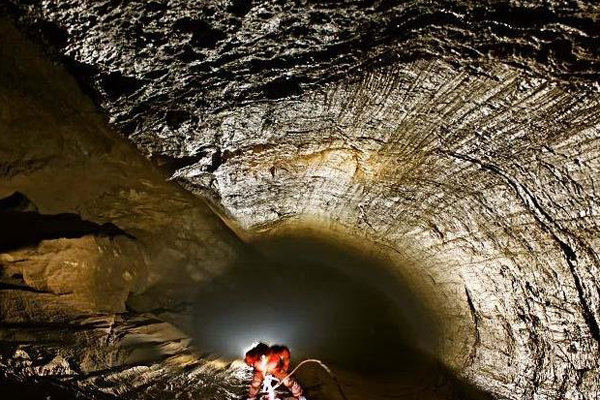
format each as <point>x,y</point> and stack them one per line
<point>22,225</point>
<point>327,301</point>
<point>320,299</point>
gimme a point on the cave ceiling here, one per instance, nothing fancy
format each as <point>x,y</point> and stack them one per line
<point>461,137</point>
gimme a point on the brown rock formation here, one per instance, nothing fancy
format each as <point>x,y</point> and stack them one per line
<point>460,138</point>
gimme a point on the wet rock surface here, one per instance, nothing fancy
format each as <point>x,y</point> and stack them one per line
<point>460,136</point>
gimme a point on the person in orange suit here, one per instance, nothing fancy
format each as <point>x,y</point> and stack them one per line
<point>273,360</point>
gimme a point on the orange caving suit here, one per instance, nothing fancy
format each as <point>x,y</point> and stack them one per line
<point>274,360</point>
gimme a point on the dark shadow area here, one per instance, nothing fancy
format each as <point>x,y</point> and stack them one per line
<point>21,227</point>
<point>41,389</point>
<point>16,202</point>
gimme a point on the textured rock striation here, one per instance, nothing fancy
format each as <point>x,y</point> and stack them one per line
<point>461,137</point>
<point>162,69</point>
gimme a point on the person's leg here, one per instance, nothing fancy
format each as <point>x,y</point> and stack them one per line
<point>290,383</point>
<point>255,385</point>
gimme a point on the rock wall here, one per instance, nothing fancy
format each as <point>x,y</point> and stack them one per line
<point>461,135</point>
<point>85,223</point>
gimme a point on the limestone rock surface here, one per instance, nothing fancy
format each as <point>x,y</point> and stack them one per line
<point>461,136</point>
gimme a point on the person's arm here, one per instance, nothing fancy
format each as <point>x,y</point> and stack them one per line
<point>289,382</point>
<point>255,384</point>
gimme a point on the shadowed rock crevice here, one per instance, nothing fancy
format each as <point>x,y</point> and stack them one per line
<point>27,228</point>
<point>16,202</point>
